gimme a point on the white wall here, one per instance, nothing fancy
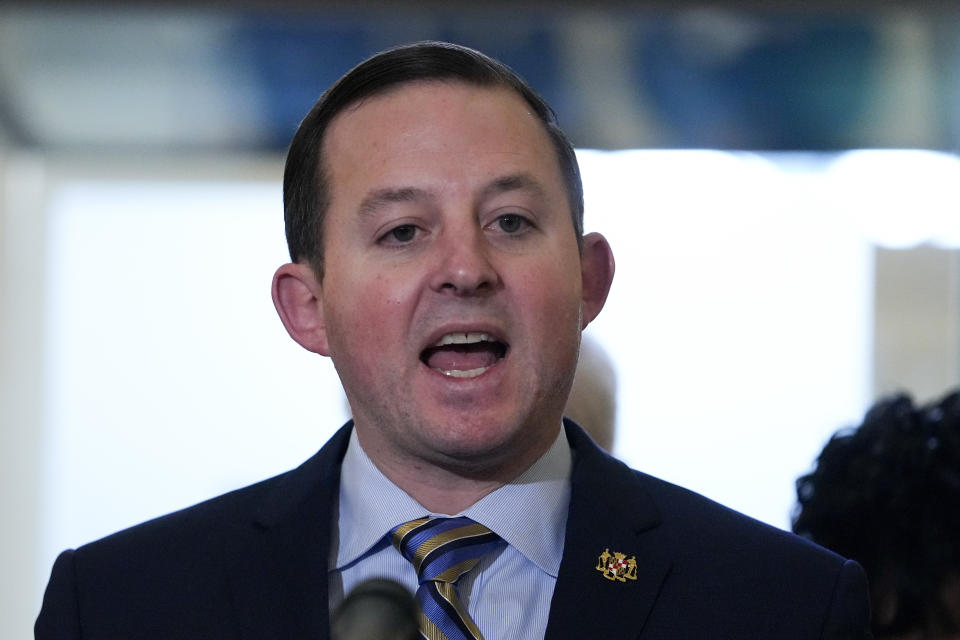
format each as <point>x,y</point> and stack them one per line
<point>21,399</point>
<point>170,378</point>
<point>739,319</point>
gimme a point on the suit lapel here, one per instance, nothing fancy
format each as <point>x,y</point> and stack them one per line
<point>609,512</point>
<point>279,577</point>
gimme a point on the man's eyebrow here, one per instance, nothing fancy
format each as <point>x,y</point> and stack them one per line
<point>380,197</point>
<point>514,182</point>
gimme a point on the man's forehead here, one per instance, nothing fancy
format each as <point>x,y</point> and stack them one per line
<point>420,117</point>
<point>397,100</point>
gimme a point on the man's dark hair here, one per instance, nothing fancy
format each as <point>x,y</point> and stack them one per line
<point>305,180</point>
<point>887,494</point>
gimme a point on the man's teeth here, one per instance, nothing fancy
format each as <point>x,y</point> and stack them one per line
<point>470,373</point>
<point>468,342</point>
<point>462,338</point>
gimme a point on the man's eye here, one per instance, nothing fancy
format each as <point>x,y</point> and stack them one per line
<point>512,223</point>
<point>403,233</point>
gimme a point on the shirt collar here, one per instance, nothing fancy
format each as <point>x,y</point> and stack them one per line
<point>529,513</point>
<point>370,505</point>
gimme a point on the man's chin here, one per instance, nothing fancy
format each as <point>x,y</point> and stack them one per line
<point>490,448</point>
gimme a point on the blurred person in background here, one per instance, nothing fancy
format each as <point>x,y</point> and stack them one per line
<point>593,398</point>
<point>887,494</point>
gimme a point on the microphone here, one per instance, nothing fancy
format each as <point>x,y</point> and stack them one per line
<point>376,609</point>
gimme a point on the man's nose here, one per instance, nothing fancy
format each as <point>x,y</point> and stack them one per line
<point>464,265</point>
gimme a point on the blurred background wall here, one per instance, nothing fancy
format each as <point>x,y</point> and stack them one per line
<point>117,95</point>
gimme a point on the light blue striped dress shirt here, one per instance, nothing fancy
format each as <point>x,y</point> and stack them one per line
<point>508,594</point>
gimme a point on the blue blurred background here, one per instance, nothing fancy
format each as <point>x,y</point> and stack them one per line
<point>156,76</point>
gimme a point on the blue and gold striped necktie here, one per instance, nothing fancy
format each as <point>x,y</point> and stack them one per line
<point>442,550</point>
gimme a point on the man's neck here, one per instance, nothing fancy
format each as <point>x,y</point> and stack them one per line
<point>446,497</point>
<point>450,486</point>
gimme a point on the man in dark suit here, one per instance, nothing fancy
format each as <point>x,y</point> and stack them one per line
<point>434,215</point>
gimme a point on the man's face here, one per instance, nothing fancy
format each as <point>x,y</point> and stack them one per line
<point>452,285</point>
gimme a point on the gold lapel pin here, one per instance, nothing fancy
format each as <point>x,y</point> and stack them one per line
<point>616,566</point>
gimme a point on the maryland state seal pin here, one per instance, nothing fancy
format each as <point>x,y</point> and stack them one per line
<point>616,566</point>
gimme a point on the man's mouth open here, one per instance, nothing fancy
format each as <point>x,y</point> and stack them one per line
<point>464,355</point>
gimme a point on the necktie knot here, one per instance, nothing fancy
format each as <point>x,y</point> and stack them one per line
<point>443,549</point>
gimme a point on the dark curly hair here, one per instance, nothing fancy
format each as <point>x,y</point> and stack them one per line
<point>887,494</point>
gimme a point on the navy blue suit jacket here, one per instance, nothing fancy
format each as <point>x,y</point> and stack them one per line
<point>252,564</point>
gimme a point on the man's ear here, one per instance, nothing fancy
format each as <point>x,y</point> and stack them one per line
<point>596,270</point>
<point>298,297</point>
